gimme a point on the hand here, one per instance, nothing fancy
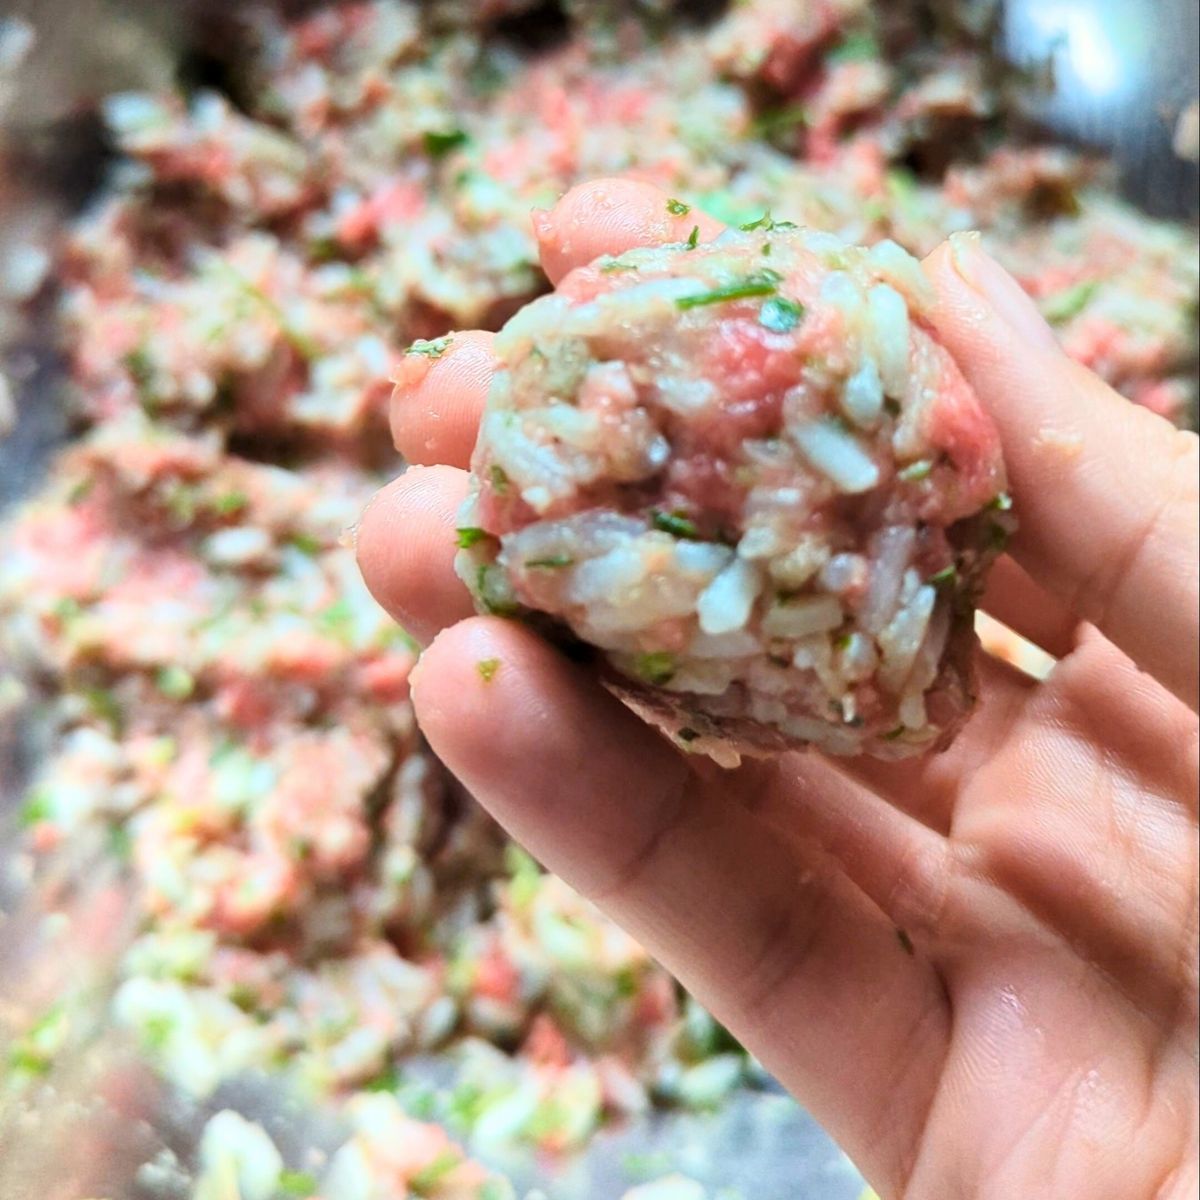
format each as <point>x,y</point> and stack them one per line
<point>978,971</point>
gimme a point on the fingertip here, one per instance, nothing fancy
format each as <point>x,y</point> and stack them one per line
<point>436,403</point>
<point>405,548</point>
<point>610,216</point>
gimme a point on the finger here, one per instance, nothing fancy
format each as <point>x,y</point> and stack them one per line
<point>1015,600</point>
<point>610,216</point>
<point>928,788</point>
<point>784,950</point>
<point>1108,494</point>
<point>898,862</point>
<point>437,402</point>
<point>406,546</point>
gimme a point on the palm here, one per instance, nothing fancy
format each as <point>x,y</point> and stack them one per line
<point>979,971</point>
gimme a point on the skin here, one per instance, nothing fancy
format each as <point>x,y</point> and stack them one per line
<point>1040,1039</point>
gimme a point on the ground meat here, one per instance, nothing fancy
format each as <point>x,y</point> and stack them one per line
<point>751,476</point>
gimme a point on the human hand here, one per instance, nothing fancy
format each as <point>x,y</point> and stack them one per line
<point>979,970</point>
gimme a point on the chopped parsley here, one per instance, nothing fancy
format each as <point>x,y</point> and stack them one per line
<point>430,349</point>
<point>1064,305</point>
<point>35,810</point>
<point>493,591</point>
<point>487,669</point>
<point>440,142</point>
<point>297,1183</point>
<point>103,705</point>
<point>915,472</point>
<point>1001,503</point>
<point>780,315</point>
<point>855,47</point>
<point>760,283</point>
<point>229,503</point>
<point>174,682</point>
<point>306,543</point>
<point>615,265</point>
<point>554,560</point>
<point>693,238</point>
<point>426,1180</point>
<point>767,224</point>
<point>780,120</point>
<point>946,577</point>
<point>894,734</point>
<point>677,208</point>
<point>673,523</point>
<point>998,536</point>
<point>657,667</point>
<point>470,535</point>
<point>499,477</point>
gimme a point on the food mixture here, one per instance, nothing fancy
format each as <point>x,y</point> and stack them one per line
<point>312,898</point>
<point>750,474</point>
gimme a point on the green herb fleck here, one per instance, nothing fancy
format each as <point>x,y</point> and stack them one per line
<point>104,706</point>
<point>487,669</point>
<point>906,943</point>
<point>524,872</point>
<point>615,265</point>
<point>388,1080</point>
<point>175,683</point>
<point>434,348</point>
<point>780,315</point>
<point>437,1170</point>
<point>140,367</point>
<point>1001,503</point>
<point>1062,306</point>
<point>855,47</point>
<point>439,143</point>
<point>677,208</point>
<point>555,560</point>
<point>80,492</point>
<point>917,471</point>
<point>780,120</point>
<point>306,543</point>
<point>946,577</point>
<point>674,523</point>
<point>499,477</point>
<point>37,808</point>
<point>657,668</point>
<point>894,734</point>
<point>687,735</point>
<point>469,535</point>
<point>297,1183</point>
<point>337,620</point>
<point>998,537</point>
<point>843,642</point>
<point>693,238</point>
<point>493,591</point>
<point>229,503</point>
<point>767,223</point>
<point>761,283</point>
<point>67,609</point>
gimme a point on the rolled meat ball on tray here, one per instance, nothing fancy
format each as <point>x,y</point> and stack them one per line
<point>750,475</point>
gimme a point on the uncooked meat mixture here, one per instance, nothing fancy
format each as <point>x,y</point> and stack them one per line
<point>312,896</point>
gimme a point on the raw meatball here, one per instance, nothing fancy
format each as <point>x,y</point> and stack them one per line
<point>750,475</point>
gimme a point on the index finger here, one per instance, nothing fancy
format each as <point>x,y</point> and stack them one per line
<point>437,401</point>
<point>1107,493</point>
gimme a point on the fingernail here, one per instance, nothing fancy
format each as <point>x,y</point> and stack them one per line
<point>983,275</point>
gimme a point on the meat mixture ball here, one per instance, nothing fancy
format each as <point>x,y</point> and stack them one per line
<point>749,474</point>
